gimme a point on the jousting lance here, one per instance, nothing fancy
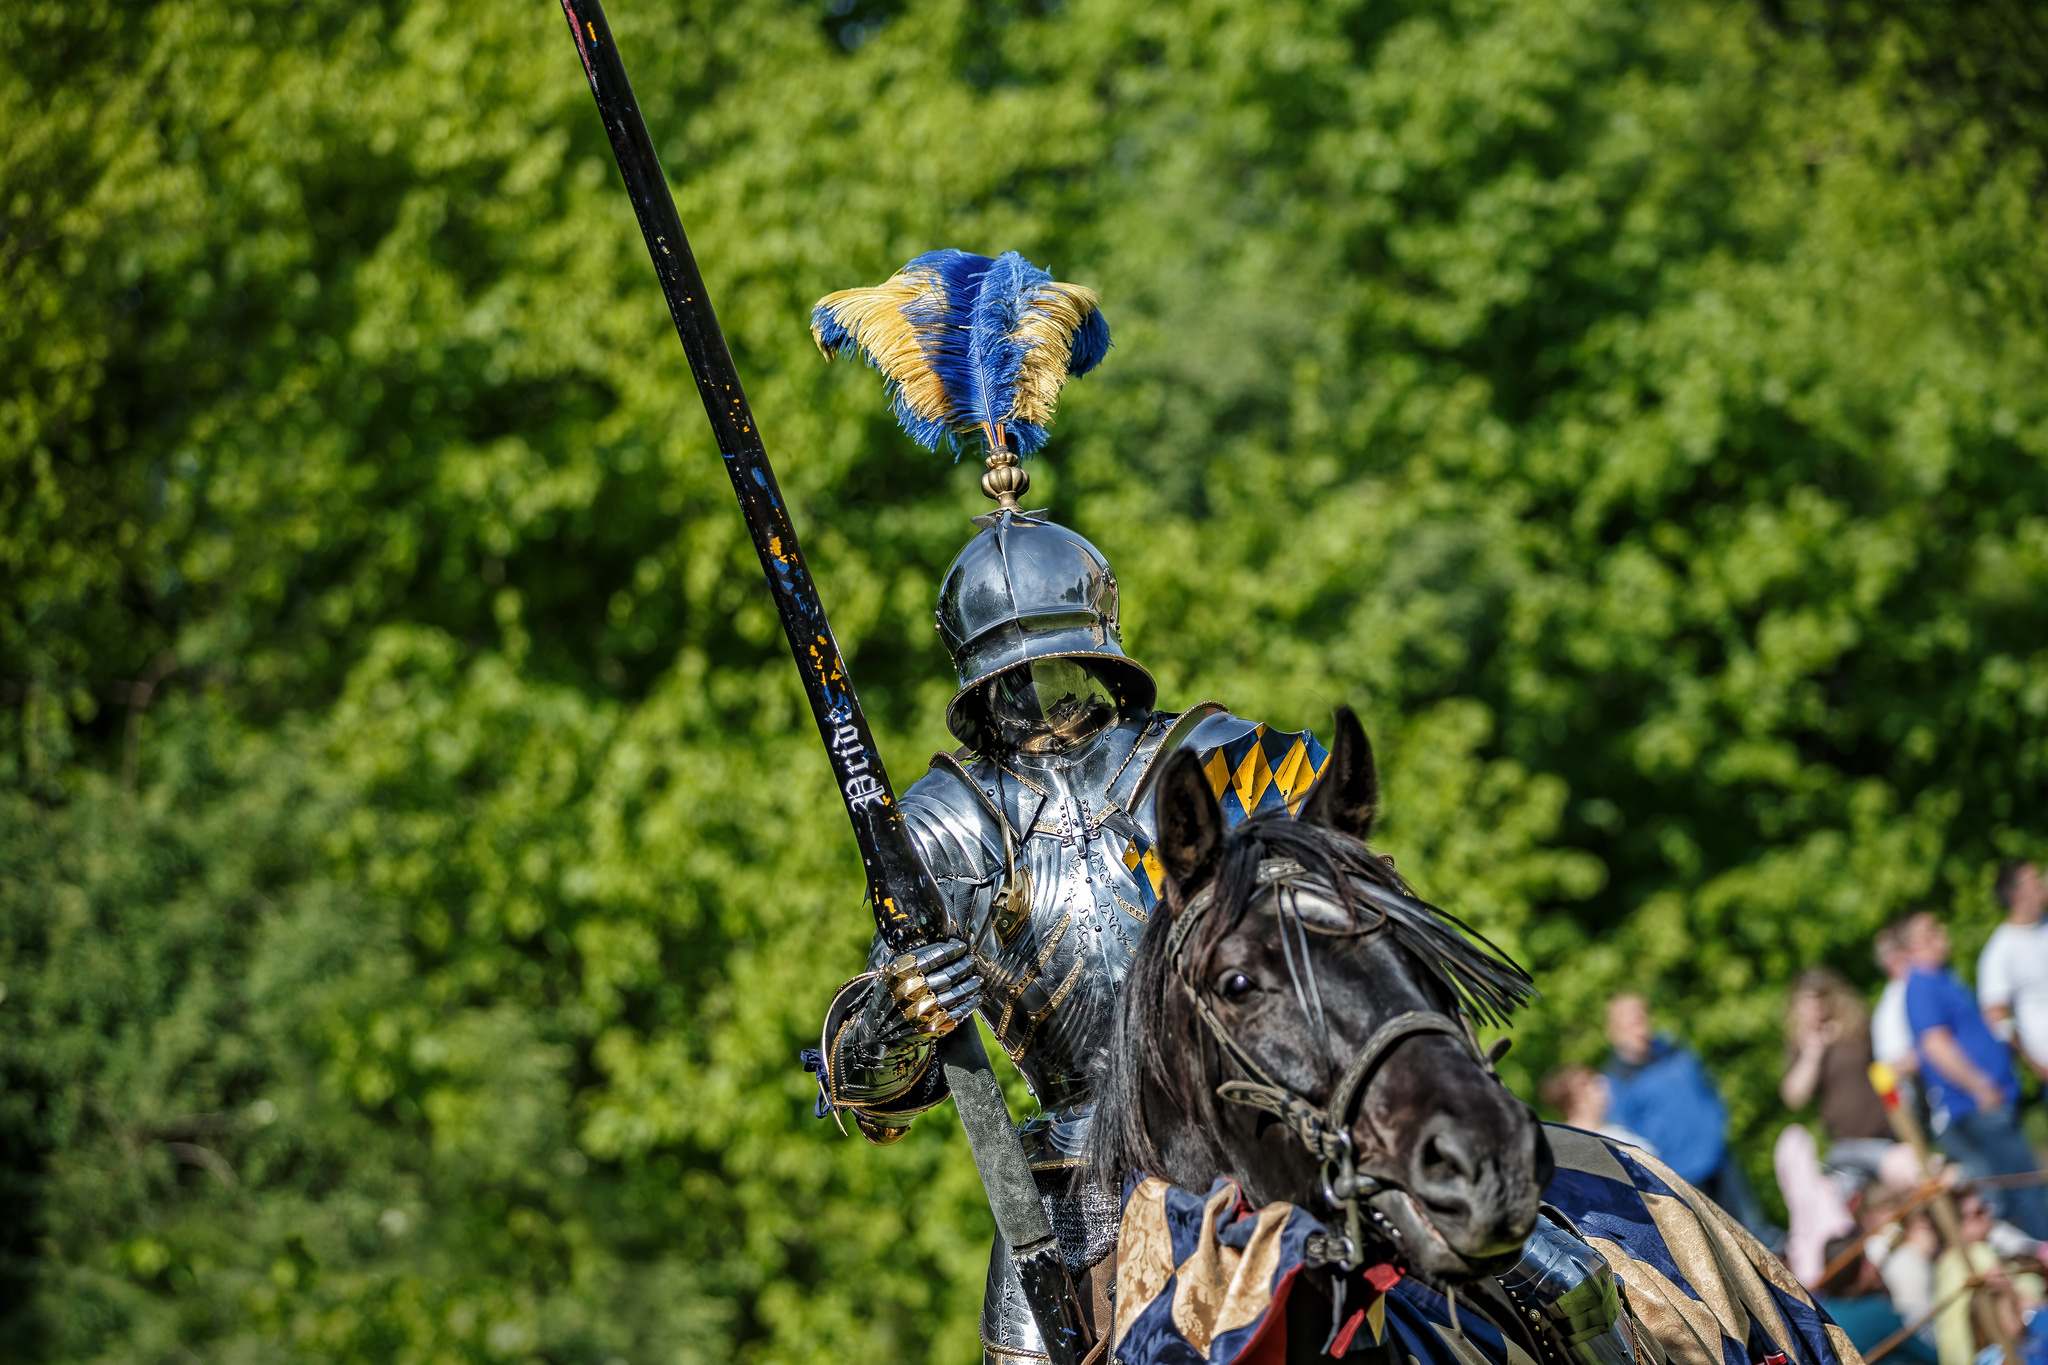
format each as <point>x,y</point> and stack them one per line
<point>905,900</point>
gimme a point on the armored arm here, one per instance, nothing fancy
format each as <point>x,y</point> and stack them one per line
<point>878,1039</point>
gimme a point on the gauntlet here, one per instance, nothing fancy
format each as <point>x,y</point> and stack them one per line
<point>926,991</point>
<point>877,1043</point>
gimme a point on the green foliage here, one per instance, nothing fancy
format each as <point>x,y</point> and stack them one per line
<point>418,875</point>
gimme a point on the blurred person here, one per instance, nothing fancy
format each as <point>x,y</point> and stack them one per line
<point>1662,1091</point>
<point>1827,1061</point>
<point>1816,1213</point>
<point>1891,1034</point>
<point>2012,971</point>
<point>1956,1336</point>
<point>1582,1098</point>
<point>1902,1249</point>
<point>1856,1298</point>
<point>1968,1074</point>
<point>1903,1170</point>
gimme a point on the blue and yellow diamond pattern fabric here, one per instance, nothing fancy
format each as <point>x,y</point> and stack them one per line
<point>1264,770</point>
<point>1703,1289</point>
<point>1252,773</point>
<point>1204,1279</point>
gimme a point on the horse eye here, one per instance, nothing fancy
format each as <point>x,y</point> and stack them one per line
<point>1234,986</point>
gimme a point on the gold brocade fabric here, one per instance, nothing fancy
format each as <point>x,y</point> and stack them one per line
<point>1205,1274</point>
<point>1208,1275</point>
<point>1217,1289</point>
<point>1694,1278</point>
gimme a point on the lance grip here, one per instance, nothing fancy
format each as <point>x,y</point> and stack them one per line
<point>905,900</point>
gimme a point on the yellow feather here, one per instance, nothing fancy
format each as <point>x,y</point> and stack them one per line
<point>874,315</point>
<point>1048,336</point>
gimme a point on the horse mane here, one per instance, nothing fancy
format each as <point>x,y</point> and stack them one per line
<point>1485,982</point>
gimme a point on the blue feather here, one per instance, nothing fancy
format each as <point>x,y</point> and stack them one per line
<point>997,355</point>
<point>949,339</point>
<point>1091,343</point>
<point>968,344</point>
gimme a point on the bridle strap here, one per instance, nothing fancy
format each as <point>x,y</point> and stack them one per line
<point>1325,1130</point>
<point>1383,1041</point>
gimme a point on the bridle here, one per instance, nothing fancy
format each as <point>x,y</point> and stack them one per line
<point>1323,1129</point>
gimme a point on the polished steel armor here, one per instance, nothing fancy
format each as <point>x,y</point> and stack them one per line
<point>1039,843</point>
<point>1036,858</point>
<point>1050,962</point>
<point>1028,589</point>
<point>1564,1282</point>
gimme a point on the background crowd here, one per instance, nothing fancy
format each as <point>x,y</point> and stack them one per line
<point>1918,1212</point>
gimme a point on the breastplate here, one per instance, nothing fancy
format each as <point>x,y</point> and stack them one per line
<point>1075,831</point>
<point>1052,974</point>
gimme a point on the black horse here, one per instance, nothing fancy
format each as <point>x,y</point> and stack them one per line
<point>1459,1160</point>
<point>1296,1020</point>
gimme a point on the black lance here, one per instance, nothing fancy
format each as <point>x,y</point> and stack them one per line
<point>905,900</point>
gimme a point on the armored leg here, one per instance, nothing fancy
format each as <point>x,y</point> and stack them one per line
<point>1085,1221</point>
<point>1008,1333</point>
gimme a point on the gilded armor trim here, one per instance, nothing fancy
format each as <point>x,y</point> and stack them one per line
<point>883,1092</point>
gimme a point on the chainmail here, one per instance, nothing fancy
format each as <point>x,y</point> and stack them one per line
<point>1084,1219</point>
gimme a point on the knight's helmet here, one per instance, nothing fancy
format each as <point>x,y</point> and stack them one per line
<point>973,346</point>
<point>1026,591</point>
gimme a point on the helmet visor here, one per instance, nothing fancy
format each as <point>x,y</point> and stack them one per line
<point>1050,705</point>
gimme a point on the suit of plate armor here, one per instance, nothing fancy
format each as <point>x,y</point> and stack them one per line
<point>1040,843</point>
<point>1044,866</point>
<point>1042,862</point>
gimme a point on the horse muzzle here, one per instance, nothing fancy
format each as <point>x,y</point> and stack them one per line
<point>1468,1196</point>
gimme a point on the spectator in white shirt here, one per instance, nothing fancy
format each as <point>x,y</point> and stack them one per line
<point>1891,1033</point>
<point>2012,973</point>
<point>1891,1036</point>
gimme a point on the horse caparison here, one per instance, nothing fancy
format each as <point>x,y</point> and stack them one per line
<point>1293,974</point>
<point>1294,984</point>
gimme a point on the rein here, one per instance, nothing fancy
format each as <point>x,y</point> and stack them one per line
<point>1325,1130</point>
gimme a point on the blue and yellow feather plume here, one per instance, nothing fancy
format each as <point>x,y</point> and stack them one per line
<point>968,345</point>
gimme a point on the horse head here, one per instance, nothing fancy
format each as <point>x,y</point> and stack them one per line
<point>1298,1020</point>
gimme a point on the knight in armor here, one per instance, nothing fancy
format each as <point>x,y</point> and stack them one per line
<point>1038,831</point>
<point>1038,842</point>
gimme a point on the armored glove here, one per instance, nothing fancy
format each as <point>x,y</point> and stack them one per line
<point>925,992</point>
<point>877,1045</point>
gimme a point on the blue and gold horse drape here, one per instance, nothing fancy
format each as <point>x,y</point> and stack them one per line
<point>1205,1278</point>
<point>1253,769</point>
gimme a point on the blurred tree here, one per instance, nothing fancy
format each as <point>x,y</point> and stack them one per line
<point>417,876</point>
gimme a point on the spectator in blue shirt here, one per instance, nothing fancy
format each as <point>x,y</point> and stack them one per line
<point>1662,1092</point>
<point>1968,1074</point>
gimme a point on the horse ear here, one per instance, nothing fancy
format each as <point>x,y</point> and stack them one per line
<point>1190,824</point>
<point>1346,798</point>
